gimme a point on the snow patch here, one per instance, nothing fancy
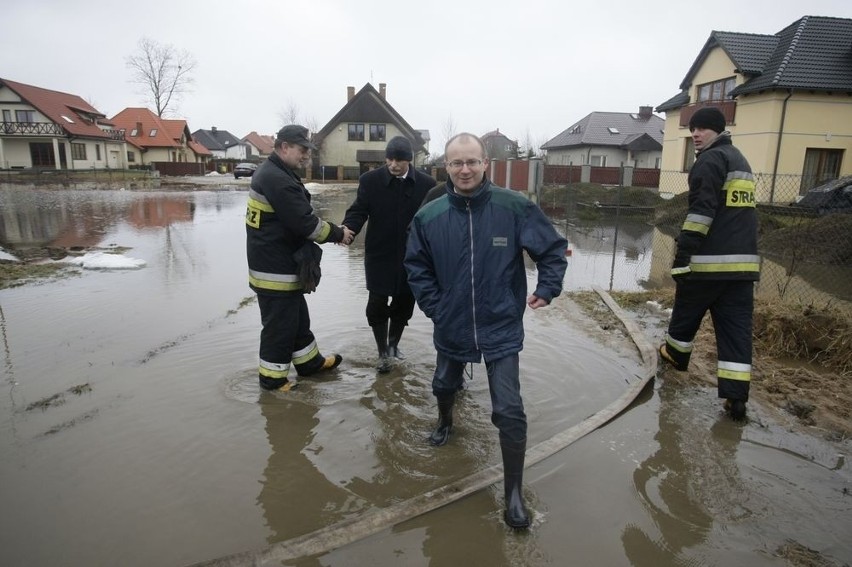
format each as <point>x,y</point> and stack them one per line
<point>102,261</point>
<point>6,256</point>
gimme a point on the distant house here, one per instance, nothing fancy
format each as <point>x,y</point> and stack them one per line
<point>221,143</point>
<point>610,139</point>
<point>499,146</point>
<point>50,129</point>
<point>357,135</point>
<point>151,138</point>
<point>258,145</point>
<point>787,98</point>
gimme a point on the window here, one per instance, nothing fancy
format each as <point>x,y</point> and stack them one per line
<point>356,132</point>
<point>42,154</point>
<point>134,132</point>
<point>153,132</point>
<point>98,152</point>
<point>25,116</point>
<point>688,154</point>
<point>68,120</point>
<point>718,90</point>
<point>658,163</point>
<point>612,130</point>
<point>131,157</point>
<point>7,116</point>
<point>820,166</point>
<point>78,151</point>
<point>598,161</point>
<point>377,132</point>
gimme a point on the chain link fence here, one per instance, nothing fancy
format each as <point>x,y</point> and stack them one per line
<point>805,244</point>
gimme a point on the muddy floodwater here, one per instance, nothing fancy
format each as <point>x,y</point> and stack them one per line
<point>133,431</point>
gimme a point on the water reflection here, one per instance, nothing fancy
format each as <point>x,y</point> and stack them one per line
<point>68,219</point>
<point>295,497</point>
<point>681,488</point>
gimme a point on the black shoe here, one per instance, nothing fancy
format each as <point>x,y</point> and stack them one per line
<point>666,357</point>
<point>736,408</point>
<point>515,515</point>
<point>384,365</point>
<point>442,431</point>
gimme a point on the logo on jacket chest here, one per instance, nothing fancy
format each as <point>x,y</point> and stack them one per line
<point>499,241</point>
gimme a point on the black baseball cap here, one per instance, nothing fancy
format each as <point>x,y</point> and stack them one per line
<point>295,134</point>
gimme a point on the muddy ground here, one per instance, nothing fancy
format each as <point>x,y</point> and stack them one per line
<point>802,366</point>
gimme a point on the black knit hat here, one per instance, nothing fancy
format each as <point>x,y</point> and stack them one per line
<point>708,117</point>
<point>399,148</point>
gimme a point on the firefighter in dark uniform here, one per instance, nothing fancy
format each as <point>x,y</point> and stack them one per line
<point>282,233</point>
<point>388,197</point>
<point>716,262</point>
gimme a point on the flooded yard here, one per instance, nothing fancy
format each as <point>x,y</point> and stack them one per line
<point>133,431</point>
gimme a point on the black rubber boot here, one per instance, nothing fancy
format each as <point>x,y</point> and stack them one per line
<point>442,431</point>
<point>380,332</point>
<point>394,334</point>
<point>515,515</point>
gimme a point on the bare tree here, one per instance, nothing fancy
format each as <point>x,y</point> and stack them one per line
<point>290,114</point>
<point>448,130</point>
<point>163,72</point>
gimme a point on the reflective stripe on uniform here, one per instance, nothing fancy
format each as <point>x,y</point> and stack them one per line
<point>320,232</point>
<point>273,369</point>
<point>697,223</point>
<point>276,282</point>
<point>725,263</point>
<point>258,201</point>
<point>305,354</point>
<point>680,346</point>
<point>734,371</point>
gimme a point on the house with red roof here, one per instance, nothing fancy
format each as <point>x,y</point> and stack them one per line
<point>258,145</point>
<point>43,128</point>
<point>151,138</point>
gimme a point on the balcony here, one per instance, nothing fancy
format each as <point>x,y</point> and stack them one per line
<point>728,108</point>
<point>31,129</point>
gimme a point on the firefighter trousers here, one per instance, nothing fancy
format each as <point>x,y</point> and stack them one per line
<point>731,306</point>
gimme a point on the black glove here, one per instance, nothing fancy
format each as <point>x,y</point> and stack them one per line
<point>680,267</point>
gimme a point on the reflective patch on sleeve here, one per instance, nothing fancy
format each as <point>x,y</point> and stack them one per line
<point>739,190</point>
<point>698,223</point>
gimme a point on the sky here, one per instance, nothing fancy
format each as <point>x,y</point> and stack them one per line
<point>530,69</point>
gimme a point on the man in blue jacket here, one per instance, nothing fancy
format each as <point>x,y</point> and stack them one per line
<point>465,266</point>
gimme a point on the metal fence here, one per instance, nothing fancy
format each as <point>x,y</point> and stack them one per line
<point>806,251</point>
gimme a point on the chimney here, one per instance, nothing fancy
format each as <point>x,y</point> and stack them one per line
<point>645,111</point>
<point>138,128</point>
<point>213,130</point>
<point>383,90</point>
<point>350,92</point>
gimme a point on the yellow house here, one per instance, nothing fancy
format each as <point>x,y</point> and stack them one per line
<point>787,99</point>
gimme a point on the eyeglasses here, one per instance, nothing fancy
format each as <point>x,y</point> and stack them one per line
<point>458,164</point>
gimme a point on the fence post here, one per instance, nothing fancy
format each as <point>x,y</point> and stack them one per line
<point>585,173</point>
<point>535,178</point>
<point>627,175</point>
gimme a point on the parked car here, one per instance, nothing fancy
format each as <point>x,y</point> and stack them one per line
<point>244,170</point>
<point>832,197</point>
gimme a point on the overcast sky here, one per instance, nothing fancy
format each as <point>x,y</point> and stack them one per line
<point>530,68</point>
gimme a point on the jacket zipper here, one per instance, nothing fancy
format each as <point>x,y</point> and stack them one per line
<point>472,280</point>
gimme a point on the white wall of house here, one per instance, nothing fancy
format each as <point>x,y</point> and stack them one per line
<point>338,150</point>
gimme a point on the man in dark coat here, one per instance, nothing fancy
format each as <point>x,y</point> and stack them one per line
<point>388,197</point>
